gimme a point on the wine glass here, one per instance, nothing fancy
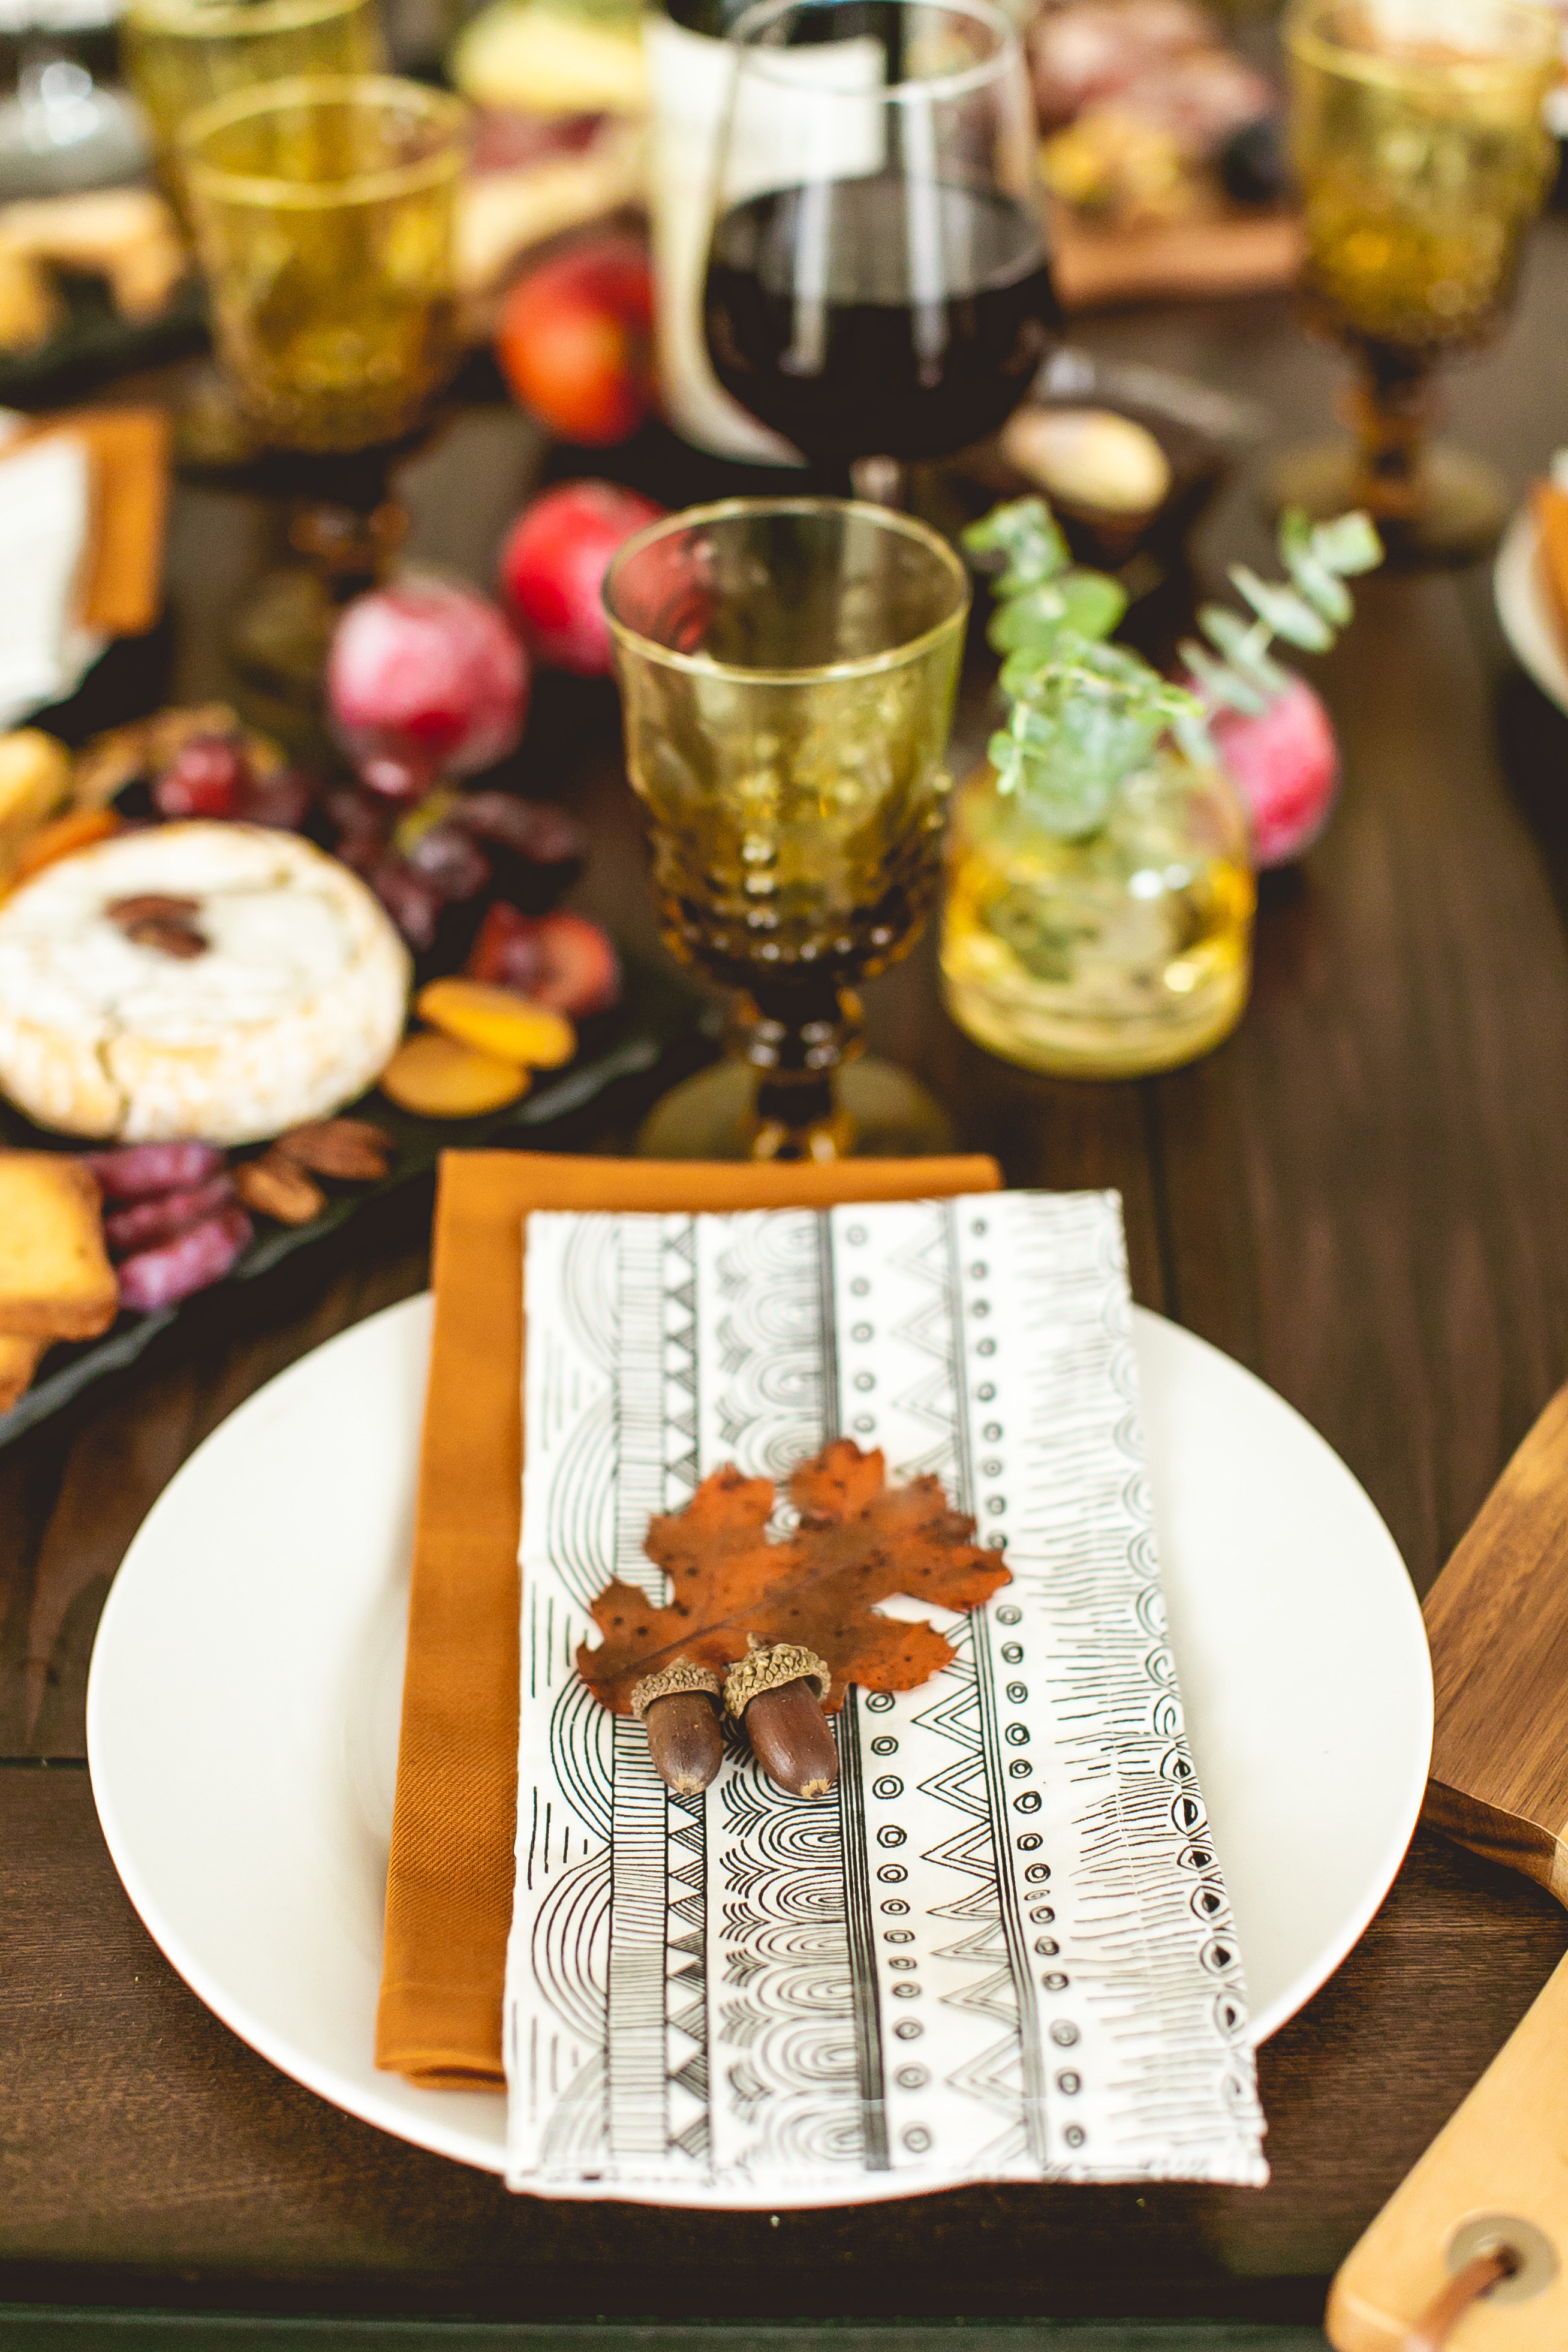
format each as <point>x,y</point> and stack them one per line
<point>878,286</point>
<point>1423,157</point>
<point>788,669</point>
<point>324,211</point>
<point>181,55</point>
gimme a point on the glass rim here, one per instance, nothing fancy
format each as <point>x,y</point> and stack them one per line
<point>212,20</point>
<point>753,510</point>
<point>439,107</point>
<point>1308,37</point>
<point>751,58</point>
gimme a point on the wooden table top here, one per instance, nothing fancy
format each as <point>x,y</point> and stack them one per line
<point>1362,1196</point>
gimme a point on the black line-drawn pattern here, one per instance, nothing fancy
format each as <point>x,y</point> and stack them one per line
<point>1007,1950</point>
<point>784,2080</point>
<point>861,1931</point>
<point>784,2034</point>
<point>899,1326</point>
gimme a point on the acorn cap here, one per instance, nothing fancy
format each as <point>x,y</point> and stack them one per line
<point>680,1675</point>
<point>767,1665</point>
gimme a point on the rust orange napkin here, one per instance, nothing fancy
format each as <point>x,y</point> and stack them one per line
<point>128,452</point>
<point>449,1886</point>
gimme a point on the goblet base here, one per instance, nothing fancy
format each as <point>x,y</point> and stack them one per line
<point>880,1113</point>
<point>1456,515</point>
<point>279,642</point>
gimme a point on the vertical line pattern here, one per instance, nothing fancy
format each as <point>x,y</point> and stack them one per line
<point>636,2013</point>
<point>1034,2069</point>
<point>829,1344</point>
<point>865,1994</point>
<point>861,1928</point>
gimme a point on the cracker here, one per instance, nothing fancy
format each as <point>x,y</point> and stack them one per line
<point>55,1280</point>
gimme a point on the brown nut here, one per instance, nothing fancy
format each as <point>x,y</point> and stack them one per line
<point>278,1188</point>
<point>179,940</point>
<point>152,907</point>
<point>684,1741</point>
<point>776,1690</point>
<point>351,1150</point>
<point>792,1739</point>
<point>678,1709</point>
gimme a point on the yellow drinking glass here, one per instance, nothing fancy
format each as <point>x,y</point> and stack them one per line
<point>788,670</point>
<point>1423,158</point>
<point>182,55</point>
<point>324,211</point>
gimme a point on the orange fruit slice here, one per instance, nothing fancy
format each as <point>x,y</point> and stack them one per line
<point>440,1077</point>
<point>63,838</point>
<point>497,1020</point>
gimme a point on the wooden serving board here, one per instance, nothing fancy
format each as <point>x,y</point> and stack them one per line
<point>1226,253</point>
<point>1498,2174</point>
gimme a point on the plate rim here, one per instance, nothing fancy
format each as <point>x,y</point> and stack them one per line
<point>431,2129</point>
<point>1524,625</point>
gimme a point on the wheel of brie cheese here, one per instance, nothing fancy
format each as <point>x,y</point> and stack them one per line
<point>216,981</point>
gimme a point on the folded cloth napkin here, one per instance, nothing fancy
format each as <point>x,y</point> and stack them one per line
<point>449,1884</point>
<point>46,503</point>
<point>83,502</point>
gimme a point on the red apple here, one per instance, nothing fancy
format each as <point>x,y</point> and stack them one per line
<point>575,341</point>
<point>1286,763</point>
<point>424,678</point>
<point>553,566</point>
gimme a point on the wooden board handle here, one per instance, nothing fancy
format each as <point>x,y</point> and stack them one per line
<point>1501,2159</point>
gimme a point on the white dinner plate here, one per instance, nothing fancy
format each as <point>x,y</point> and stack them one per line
<point>242,1707</point>
<point>1524,608</point>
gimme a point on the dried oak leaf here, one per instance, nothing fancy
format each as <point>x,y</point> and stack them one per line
<point>859,1541</point>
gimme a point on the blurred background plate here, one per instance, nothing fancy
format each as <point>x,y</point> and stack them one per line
<point>1525,610</point>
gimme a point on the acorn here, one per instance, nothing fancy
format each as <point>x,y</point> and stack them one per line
<point>678,1709</point>
<point>776,1691</point>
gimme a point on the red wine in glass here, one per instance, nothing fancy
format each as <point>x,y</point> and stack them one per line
<point>880,315</point>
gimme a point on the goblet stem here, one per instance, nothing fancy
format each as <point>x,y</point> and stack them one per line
<point>796,1035</point>
<point>348,548</point>
<point>879,482</point>
<point>346,527</point>
<point>1391,414</point>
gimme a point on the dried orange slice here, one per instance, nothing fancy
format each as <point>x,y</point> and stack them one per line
<point>63,838</point>
<point>497,1020</point>
<point>440,1077</point>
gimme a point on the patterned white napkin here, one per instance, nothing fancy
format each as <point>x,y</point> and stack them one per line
<point>1003,1950</point>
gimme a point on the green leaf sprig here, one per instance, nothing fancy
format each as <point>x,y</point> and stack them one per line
<point>1084,715</point>
<point>1308,613</point>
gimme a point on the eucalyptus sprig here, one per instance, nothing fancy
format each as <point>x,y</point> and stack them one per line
<point>1320,558</point>
<point>1084,715</point>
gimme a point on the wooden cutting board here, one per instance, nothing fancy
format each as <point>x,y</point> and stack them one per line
<point>1498,2173</point>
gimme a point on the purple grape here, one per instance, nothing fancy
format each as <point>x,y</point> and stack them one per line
<point>410,901</point>
<point>208,777</point>
<point>537,830</point>
<point>453,864</point>
<point>359,829</point>
<point>282,802</point>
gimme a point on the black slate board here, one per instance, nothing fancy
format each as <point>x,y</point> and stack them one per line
<point>657,1010</point>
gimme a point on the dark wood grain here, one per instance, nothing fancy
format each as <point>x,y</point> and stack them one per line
<point>1362,1196</point>
<point>147,2155</point>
